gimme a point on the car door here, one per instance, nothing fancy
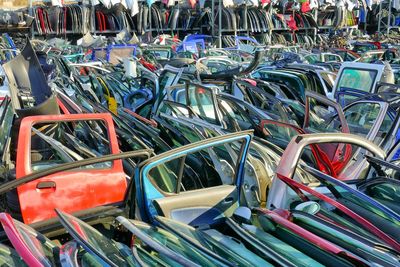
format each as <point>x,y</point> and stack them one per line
<point>49,141</point>
<point>163,189</point>
<point>289,162</point>
<point>168,77</point>
<point>257,168</point>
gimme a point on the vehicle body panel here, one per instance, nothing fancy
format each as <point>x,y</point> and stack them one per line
<point>72,190</point>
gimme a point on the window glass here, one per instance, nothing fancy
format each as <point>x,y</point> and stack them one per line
<point>180,96</point>
<point>62,142</point>
<point>230,113</point>
<point>329,79</point>
<point>167,80</point>
<point>189,133</point>
<point>267,103</point>
<point>292,83</point>
<point>10,257</point>
<point>312,59</point>
<point>38,245</point>
<point>166,175</point>
<point>173,109</point>
<point>218,65</point>
<point>384,129</point>
<point>162,54</point>
<point>357,79</point>
<point>98,242</point>
<point>362,203</point>
<point>361,117</point>
<point>201,101</point>
<point>204,168</point>
<point>176,94</point>
<point>350,57</point>
<point>316,85</point>
<point>386,193</point>
<point>332,58</point>
<point>176,244</point>
<point>320,117</point>
<point>279,134</point>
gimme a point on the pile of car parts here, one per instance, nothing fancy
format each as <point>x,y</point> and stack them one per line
<point>241,156</point>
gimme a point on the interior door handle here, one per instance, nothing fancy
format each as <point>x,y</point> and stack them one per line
<point>46,185</point>
<point>228,200</point>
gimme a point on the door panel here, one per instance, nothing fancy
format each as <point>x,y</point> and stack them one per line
<point>201,206</point>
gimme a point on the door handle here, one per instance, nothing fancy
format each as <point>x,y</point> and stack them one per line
<point>228,200</point>
<point>46,185</point>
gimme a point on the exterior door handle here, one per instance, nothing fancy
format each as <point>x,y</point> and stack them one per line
<point>46,185</point>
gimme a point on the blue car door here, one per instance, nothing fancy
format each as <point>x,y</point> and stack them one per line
<point>170,184</point>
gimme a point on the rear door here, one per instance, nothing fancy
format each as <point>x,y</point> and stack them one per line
<point>168,189</point>
<point>49,141</point>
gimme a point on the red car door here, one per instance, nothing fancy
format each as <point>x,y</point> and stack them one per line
<point>73,190</point>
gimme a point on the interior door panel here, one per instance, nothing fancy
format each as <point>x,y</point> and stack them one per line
<point>199,207</point>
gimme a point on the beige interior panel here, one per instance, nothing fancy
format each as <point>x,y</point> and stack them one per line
<point>187,205</point>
